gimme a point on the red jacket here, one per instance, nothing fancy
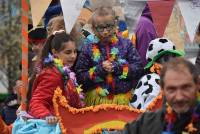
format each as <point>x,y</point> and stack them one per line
<point>47,81</point>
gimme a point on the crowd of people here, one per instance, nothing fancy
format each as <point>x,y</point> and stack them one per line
<point>98,65</point>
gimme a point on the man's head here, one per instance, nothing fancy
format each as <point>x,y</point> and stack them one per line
<point>180,83</point>
<point>104,23</point>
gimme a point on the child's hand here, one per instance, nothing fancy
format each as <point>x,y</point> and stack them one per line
<point>107,65</point>
<point>51,119</point>
<point>19,86</point>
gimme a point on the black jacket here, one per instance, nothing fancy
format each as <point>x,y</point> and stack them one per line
<point>154,122</point>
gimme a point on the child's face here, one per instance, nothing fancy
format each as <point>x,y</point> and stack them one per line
<point>104,27</point>
<point>68,54</point>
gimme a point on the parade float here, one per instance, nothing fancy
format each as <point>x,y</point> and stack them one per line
<point>87,120</point>
<point>91,120</point>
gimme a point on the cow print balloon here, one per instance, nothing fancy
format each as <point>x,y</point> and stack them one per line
<point>146,91</point>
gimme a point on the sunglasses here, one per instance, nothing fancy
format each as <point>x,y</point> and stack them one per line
<point>109,27</point>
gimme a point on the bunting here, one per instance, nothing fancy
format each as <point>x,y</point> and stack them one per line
<point>161,11</point>
<point>71,12</point>
<point>175,30</point>
<point>190,11</point>
<point>132,11</point>
<point>38,9</point>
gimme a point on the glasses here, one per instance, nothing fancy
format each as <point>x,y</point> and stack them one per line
<point>109,27</point>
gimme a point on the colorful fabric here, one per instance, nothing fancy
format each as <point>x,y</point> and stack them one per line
<point>34,126</point>
<point>92,75</point>
<point>126,63</point>
<point>93,98</point>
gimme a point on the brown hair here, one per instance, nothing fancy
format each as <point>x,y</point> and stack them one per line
<point>178,64</point>
<point>55,41</point>
<point>55,24</point>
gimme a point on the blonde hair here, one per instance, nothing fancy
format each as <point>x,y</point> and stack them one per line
<point>55,24</point>
<point>102,11</point>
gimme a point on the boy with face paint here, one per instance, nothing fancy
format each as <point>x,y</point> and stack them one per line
<point>109,67</point>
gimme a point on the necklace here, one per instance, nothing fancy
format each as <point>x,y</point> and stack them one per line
<point>171,118</point>
<point>70,82</point>
<point>112,56</point>
<point>156,67</point>
<point>65,71</point>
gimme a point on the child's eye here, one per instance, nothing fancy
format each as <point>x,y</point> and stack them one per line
<point>68,52</point>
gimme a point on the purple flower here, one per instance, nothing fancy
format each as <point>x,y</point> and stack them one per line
<point>48,59</point>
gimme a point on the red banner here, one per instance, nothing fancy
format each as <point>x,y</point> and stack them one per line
<point>161,11</point>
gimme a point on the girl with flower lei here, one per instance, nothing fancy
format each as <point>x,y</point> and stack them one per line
<point>58,56</point>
